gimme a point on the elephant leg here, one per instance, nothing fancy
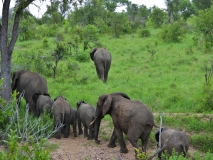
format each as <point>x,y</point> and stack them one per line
<point>100,71</point>
<point>63,129</point>
<point>67,130</point>
<point>90,136</point>
<point>119,134</point>
<point>144,141</point>
<point>85,131</point>
<point>57,127</point>
<point>112,140</point>
<point>79,127</point>
<point>74,129</point>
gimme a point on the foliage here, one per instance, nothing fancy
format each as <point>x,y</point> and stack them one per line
<point>173,32</point>
<point>204,25</point>
<point>144,33</point>
<point>141,155</point>
<point>157,17</point>
<point>24,150</point>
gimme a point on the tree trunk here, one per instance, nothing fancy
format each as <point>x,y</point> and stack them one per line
<point>6,46</point>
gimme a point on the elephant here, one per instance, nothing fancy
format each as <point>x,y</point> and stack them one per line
<point>174,139</point>
<point>102,61</point>
<point>42,101</point>
<point>29,83</point>
<point>130,117</point>
<point>64,116</point>
<point>85,114</point>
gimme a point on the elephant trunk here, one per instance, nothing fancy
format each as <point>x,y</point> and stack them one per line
<point>96,129</point>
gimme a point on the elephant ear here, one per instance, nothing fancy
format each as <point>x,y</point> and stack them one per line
<point>15,80</point>
<point>92,53</point>
<point>157,134</point>
<point>121,94</point>
<point>46,94</point>
<point>106,103</point>
<point>35,97</point>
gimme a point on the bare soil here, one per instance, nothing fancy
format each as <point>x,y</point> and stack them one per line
<point>79,148</point>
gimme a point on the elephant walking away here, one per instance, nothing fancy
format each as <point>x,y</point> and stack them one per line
<point>64,115</point>
<point>29,83</point>
<point>175,139</point>
<point>102,61</point>
<point>86,114</point>
<point>130,117</point>
<point>43,102</point>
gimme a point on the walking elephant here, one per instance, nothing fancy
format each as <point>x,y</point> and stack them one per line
<point>29,83</point>
<point>174,140</point>
<point>85,114</point>
<point>43,102</point>
<point>129,116</point>
<point>64,115</point>
<point>102,61</point>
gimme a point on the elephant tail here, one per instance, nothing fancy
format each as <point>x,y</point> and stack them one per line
<point>62,118</point>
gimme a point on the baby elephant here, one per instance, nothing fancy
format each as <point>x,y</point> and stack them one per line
<point>175,139</point>
<point>85,114</point>
<point>64,115</point>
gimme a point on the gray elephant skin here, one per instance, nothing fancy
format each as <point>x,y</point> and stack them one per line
<point>43,102</point>
<point>29,83</point>
<point>176,140</point>
<point>102,61</point>
<point>130,117</point>
<point>63,115</point>
<point>85,114</point>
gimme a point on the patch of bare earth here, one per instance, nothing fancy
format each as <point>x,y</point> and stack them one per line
<point>79,148</point>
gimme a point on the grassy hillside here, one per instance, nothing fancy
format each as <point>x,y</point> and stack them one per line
<point>168,77</point>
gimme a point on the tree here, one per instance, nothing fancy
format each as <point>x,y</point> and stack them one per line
<point>157,17</point>
<point>7,43</point>
<point>202,4</point>
<point>187,8</point>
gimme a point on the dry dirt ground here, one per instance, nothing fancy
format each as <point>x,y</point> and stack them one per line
<point>79,148</point>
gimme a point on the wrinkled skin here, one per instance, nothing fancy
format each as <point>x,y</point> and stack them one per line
<point>177,141</point>
<point>29,83</point>
<point>63,115</point>
<point>102,61</point>
<point>86,114</point>
<point>129,117</point>
<point>43,102</point>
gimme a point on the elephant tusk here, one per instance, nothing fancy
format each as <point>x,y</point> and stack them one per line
<point>93,120</point>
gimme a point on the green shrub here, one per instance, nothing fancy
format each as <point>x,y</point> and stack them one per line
<point>173,32</point>
<point>144,33</point>
<point>82,57</point>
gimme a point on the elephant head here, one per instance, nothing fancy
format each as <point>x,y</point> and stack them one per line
<point>79,103</point>
<point>103,107</point>
<point>92,53</point>
<point>42,101</point>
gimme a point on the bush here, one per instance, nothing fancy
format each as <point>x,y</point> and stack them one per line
<point>144,33</point>
<point>173,32</point>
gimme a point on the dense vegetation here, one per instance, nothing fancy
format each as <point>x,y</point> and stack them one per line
<point>164,62</point>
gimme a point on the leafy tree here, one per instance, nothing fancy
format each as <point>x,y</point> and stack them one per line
<point>7,43</point>
<point>187,8</point>
<point>204,25</point>
<point>172,10</point>
<point>143,14</point>
<point>157,17</point>
<point>132,11</point>
<point>202,4</point>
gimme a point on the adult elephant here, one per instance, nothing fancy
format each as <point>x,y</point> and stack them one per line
<point>85,114</point>
<point>29,83</point>
<point>174,140</point>
<point>102,61</point>
<point>43,102</point>
<point>129,116</point>
<point>64,115</point>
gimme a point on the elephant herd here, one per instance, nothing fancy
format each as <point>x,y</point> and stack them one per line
<point>131,117</point>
